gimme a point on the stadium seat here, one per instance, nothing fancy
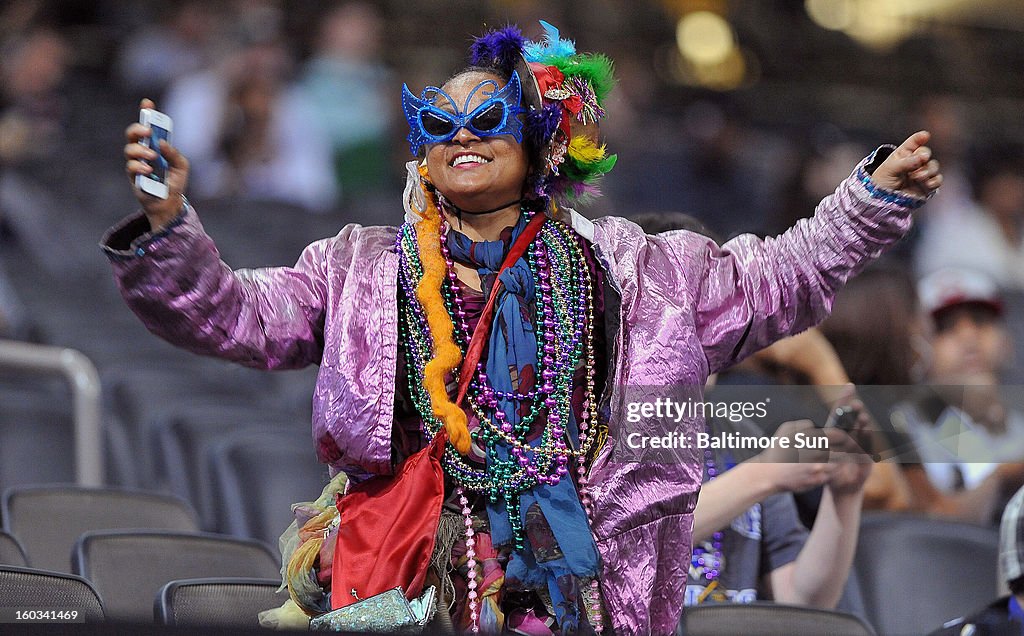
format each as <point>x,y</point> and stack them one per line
<point>27,587</point>
<point>182,439</point>
<point>770,619</point>
<point>259,475</point>
<point>916,573</point>
<point>129,568</point>
<point>231,602</point>
<point>136,393</point>
<point>11,552</point>
<point>48,519</point>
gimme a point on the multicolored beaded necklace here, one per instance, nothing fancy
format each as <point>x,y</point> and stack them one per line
<point>563,320</point>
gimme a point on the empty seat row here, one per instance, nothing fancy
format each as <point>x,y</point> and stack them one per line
<point>128,568</point>
<point>126,544</point>
<point>48,520</point>
<point>36,423</point>
<point>239,471</point>
<point>212,601</point>
<point>915,573</point>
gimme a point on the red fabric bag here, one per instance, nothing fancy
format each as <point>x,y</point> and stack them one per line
<point>387,530</point>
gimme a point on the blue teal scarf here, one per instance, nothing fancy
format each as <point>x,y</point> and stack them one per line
<point>558,546</point>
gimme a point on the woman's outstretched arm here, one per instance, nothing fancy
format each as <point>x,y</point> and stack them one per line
<point>750,292</point>
<point>170,273</point>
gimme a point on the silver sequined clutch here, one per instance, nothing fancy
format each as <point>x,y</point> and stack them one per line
<point>386,612</point>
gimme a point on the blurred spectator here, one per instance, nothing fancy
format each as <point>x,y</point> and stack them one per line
<point>749,543</point>
<point>33,108</point>
<point>944,117</point>
<point>809,358</point>
<point>877,328</point>
<point>33,115</point>
<point>880,336</point>
<point>988,235</point>
<point>733,188</point>
<point>969,441</point>
<point>249,134</point>
<point>160,53</point>
<point>1005,616</point>
<point>352,95</point>
<point>716,161</point>
<point>826,154</point>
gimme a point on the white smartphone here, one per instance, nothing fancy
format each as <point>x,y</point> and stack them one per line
<point>155,183</point>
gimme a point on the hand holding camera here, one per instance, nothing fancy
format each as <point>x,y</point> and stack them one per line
<point>157,170</point>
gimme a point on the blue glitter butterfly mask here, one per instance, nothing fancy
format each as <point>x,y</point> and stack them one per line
<point>498,115</point>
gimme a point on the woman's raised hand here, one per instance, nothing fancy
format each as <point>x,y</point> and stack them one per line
<point>910,168</point>
<point>159,211</point>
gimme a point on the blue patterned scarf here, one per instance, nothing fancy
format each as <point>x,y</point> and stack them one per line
<point>559,548</point>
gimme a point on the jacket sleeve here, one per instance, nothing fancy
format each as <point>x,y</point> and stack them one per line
<point>175,282</point>
<point>750,292</point>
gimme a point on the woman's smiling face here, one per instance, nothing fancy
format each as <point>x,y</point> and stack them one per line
<point>477,173</point>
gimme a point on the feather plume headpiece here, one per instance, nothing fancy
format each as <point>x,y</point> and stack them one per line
<point>563,93</point>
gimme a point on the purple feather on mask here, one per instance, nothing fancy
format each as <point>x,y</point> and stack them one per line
<point>584,190</point>
<point>501,48</point>
<point>542,124</point>
<point>569,191</point>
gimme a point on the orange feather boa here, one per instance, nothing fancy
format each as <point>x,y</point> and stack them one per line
<point>447,355</point>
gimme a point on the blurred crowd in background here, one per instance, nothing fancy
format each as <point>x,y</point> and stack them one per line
<point>754,109</point>
<point>740,114</point>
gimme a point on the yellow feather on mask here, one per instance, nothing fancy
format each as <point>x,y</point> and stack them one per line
<point>584,150</point>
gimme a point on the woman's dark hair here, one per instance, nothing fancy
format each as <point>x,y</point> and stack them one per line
<point>1016,586</point>
<point>872,326</point>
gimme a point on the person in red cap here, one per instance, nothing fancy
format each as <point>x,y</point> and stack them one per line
<point>969,442</point>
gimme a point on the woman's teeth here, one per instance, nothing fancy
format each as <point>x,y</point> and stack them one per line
<point>463,159</point>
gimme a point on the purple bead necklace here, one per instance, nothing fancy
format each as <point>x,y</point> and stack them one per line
<point>709,563</point>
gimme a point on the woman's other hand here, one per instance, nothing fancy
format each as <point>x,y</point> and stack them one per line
<point>910,168</point>
<point>159,211</point>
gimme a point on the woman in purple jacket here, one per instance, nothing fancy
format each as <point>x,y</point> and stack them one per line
<point>584,535</point>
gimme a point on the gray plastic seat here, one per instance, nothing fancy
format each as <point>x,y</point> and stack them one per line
<point>951,565</point>
<point>229,602</point>
<point>182,439</point>
<point>11,552</point>
<point>135,394</point>
<point>27,587</point>
<point>258,475</point>
<point>48,519</point>
<point>129,568</point>
<point>770,619</point>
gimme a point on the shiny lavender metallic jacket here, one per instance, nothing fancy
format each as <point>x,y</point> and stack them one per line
<point>688,308</point>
